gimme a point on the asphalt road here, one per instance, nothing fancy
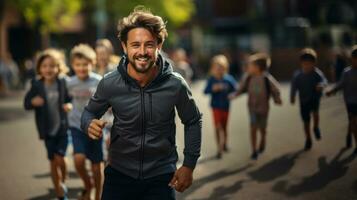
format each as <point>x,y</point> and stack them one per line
<point>282,172</point>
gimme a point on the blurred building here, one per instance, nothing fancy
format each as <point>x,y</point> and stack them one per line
<point>280,27</point>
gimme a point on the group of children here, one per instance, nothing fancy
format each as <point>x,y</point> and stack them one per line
<point>309,82</point>
<point>58,101</point>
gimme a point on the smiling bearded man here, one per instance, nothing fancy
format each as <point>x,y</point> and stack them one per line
<point>144,93</point>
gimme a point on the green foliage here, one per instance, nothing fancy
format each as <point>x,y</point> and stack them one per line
<point>50,15</point>
<point>175,12</point>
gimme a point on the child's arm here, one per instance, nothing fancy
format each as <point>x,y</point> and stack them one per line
<point>322,80</point>
<point>337,87</point>
<point>67,106</point>
<point>293,89</point>
<point>242,87</point>
<point>275,90</point>
<point>32,99</point>
<point>208,88</point>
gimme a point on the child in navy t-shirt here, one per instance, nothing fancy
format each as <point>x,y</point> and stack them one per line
<point>219,86</point>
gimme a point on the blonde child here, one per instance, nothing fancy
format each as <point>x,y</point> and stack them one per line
<point>81,87</point>
<point>219,86</point>
<point>49,98</point>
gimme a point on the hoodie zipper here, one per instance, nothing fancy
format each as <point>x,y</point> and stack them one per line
<point>142,94</point>
<point>150,99</point>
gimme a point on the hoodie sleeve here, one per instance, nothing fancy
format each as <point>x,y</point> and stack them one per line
<point>97,106</point>
<point>191,118</point>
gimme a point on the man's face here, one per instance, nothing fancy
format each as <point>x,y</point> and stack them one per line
<point>82,67</point>
<point>142,49</point>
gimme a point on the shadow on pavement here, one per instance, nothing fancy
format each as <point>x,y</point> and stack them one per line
<point>72,194</point>
<point>275,168</point>
<point>354,187</point>
<point>328,172</point>
<point>225,192</point>
<point>215,176</point>
<point>70,174</point>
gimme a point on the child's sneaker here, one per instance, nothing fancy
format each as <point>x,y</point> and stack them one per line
<point>308,144</point>
<point>254,156</point>
<point>225,148</point>
<point>219,156</point>
<point>349,141</point>
<point>64,188</point>
<point>317,133</point>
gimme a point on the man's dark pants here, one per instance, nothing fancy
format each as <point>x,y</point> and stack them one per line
<point>118,186</point>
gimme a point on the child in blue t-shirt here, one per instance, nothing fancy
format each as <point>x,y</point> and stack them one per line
<point>219,86</point>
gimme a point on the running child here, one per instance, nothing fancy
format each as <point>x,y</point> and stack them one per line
<point>309,82</point>
<point>348,83</point>
<point>260,85</point>
<point>49,98</point>
<point>81,87</point>
<point>219,86</point>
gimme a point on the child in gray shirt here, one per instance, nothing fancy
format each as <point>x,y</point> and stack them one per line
<point>348,84</point>
<point>260,86</point>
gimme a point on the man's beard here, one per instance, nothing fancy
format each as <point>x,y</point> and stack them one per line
<point>142,69</point>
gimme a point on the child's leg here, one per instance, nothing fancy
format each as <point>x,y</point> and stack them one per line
<point>79,164</point>
<point>224,131</point>
<point>219,138</point>
<point>63,168</point>
<point>96,156</point>
<point>308,141</point>
<point>316,118</point>
<point>349,133</point>
<point>253,137</point>
<point>307,130</point>
<point>56,175</point>
<point>217,115</point>
<point>97,169</point>
<point>354,127</point>
<point>262,139</point>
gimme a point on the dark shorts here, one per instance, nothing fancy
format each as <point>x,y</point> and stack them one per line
<point>56,145</point>
<point>220,117</point>
<point>351,110</point>
<point>307,108</point>
<point>118,186</point>
<point>82,144</point>
<point>258,120</point>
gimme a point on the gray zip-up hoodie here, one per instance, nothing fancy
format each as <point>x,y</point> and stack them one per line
<point>143,135</point>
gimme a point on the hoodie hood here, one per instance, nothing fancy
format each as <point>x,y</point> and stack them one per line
<point>165,70</point>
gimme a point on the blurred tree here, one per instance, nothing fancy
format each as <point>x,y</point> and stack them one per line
<point>47,16</point>
<point>175,12</point>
